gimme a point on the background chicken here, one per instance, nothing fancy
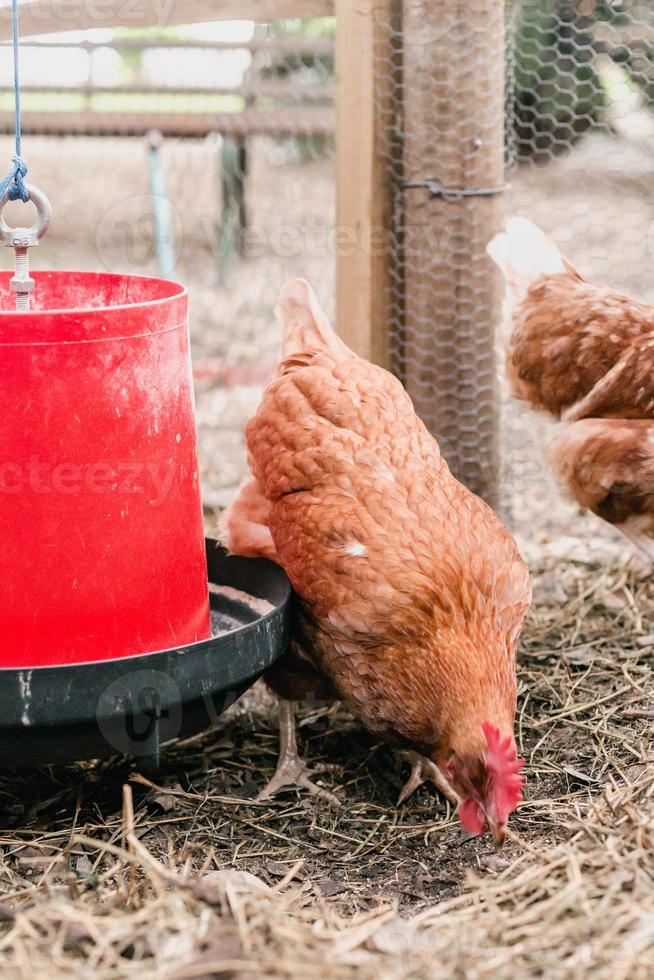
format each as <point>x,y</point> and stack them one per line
<point>585,355</point>
<point>575,350</point>
<point>410,592</point>
<point>607,466</point>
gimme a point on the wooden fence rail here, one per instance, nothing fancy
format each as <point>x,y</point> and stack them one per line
<point>317,47</point>
<point>292,109</point>
<point>56,16</point>
<point>274,90</point>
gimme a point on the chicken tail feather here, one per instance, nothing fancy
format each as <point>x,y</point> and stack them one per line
<point>524,254</point>
<point>307,331</point>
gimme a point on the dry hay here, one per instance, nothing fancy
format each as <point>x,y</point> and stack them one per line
<point>182,875</point>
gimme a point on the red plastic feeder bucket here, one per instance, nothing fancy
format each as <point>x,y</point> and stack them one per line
<point>101,542</point>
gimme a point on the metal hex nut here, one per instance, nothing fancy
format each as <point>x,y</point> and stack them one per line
<point>21,285</point>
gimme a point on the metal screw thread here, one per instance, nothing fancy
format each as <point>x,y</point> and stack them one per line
<point>22,272</point>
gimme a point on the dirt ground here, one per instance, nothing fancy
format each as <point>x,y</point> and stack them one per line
<point>183,874</point>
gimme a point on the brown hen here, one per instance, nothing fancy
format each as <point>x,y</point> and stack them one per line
<point>607,466</point>
<point>575,350</point>
<point>410,592</point>
<point>584,354</point>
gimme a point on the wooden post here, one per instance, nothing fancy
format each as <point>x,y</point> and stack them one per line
<point>453,73</point>
<point>364,78</point>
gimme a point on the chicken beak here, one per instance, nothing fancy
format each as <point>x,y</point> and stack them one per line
<point>498,831</point>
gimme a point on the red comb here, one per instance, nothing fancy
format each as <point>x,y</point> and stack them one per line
<point>503,767</point>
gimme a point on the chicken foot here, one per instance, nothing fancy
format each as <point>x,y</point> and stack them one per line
<point>643,542</point>
<point>424,770</point>
<point>291,770</point>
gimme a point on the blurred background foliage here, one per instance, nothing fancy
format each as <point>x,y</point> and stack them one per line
<point>557,91</point>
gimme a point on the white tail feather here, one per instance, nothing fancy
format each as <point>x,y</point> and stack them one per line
<point>524,254</point>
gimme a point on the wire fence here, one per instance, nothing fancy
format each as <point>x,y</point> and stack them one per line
<point>244,156</point>
<point>444,110</point>
<point>543,108</point>
<point>580,156</point>
<point>92,107</point>
<point>580,115</point>
<point>539,107</point>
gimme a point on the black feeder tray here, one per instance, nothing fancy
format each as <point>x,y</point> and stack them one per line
<point>134,705</point>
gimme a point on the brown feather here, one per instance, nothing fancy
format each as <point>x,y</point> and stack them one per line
<point>412,591</point>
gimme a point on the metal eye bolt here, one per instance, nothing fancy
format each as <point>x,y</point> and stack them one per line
<point>21,239</point>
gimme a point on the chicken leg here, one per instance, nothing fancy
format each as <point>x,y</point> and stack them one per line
<point>291,770</point>
<point>424,770</point>
<point>633,531</point>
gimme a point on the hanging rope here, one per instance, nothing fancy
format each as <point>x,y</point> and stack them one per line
<point>14,182</point>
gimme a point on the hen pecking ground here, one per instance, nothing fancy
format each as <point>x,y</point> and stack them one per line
<point>113,872</point>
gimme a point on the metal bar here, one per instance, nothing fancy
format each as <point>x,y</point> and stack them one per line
<point>163,234</point>
<point>233,196</point>
<point>249,122</point>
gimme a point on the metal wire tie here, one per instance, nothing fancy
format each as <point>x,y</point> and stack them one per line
<point>454,193</point>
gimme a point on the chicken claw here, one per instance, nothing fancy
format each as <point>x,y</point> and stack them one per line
<point>424,770</point>
<point>291,770</point>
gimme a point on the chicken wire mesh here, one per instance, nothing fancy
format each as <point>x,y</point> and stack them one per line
<point>245,113</point>
<point>227,100</point>
<point>580,150</point>
<point>536,107</point>
<point>443,91</point>
<point>580,155</point>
